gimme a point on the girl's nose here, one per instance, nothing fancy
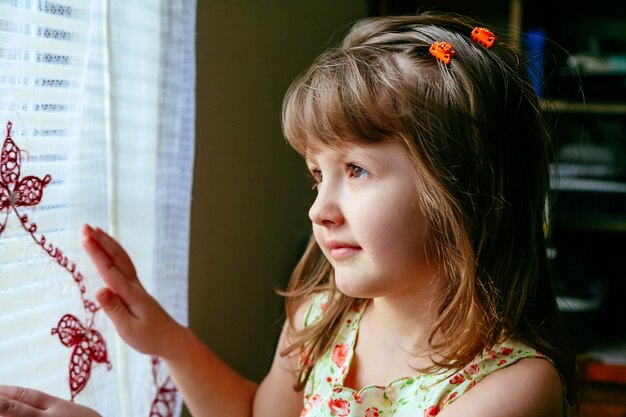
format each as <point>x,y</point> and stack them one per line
<point>325,210</point>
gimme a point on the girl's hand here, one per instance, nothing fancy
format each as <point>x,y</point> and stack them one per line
<point>25,402</point>
<point>138,318</point>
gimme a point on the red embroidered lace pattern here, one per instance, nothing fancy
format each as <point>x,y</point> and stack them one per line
<point>164,403</point>
<point>87,344</point>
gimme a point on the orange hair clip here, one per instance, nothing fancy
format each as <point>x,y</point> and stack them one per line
<point>442,51</point>
<point>483,36</point>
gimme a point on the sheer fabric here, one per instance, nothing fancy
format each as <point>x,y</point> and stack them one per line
<point>100,99</point>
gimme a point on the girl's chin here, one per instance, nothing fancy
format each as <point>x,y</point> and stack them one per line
<point>356,288</point>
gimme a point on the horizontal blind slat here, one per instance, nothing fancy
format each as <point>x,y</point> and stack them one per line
<point>41,45</point>
<point>66,96</point>
<point>38,120</point>
<point>39,18</point>
<point>81,4</point>
<point>19,69</point>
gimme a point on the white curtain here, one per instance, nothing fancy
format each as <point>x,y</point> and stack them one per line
<point>99,99</point>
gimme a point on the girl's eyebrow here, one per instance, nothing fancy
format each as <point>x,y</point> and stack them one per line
<point>370,152</point>
<point>365,152</point>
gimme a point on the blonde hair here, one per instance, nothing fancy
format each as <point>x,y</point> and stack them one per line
<point>480,147</point>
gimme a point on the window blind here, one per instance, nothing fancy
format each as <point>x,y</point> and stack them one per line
<point>99,96</point>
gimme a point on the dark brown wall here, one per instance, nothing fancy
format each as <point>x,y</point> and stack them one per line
<point>250,194</point>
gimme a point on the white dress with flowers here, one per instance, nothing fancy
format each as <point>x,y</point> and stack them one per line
<point>416,396</point>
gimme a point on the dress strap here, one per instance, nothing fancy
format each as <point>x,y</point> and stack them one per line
<point>316,308</point>
<point>335,363</point>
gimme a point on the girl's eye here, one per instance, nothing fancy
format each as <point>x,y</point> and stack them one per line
<point>356,171</point>
<point>315,176</point>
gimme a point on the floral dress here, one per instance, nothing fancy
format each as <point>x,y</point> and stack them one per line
<point>420,395</point>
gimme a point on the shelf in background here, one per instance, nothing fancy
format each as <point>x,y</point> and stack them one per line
<point>602,372</point>
<point>561,106</point>
<point>566,183</point>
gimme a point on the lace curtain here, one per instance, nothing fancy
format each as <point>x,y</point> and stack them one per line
<point>96,126</point>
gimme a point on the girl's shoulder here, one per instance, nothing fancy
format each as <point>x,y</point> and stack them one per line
<point>525,385</point>
<point>526,381</point>
<point>499,357</point>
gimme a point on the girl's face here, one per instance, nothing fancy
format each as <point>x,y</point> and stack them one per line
<point>367,219</point>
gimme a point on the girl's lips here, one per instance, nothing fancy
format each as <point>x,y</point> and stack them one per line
<point>340,250</point>
<point>343,252</point>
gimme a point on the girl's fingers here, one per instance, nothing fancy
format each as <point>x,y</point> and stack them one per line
<point>13,408</point>
<point>22,402</point>
<point>116,250</point>
<point>26,402</point>
<point>125,286</point>
<point>112,248</point>
<point>115,308</point>
<point>30,397</point>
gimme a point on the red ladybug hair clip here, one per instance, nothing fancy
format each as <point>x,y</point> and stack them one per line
<point>442,51</point>
<point>484,37</point>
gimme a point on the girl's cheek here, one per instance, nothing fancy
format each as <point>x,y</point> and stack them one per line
<point>319,238</point>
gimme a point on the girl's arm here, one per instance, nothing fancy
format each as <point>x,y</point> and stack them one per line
<point>197,374</point>
<point>276,396</point>
<point>208,385</point>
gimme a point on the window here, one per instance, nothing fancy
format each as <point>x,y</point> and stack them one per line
<point>99,100</point>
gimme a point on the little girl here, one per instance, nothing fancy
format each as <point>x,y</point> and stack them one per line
<point>424,289</point>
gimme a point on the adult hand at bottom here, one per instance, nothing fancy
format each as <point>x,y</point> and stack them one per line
<point>26,402</point>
